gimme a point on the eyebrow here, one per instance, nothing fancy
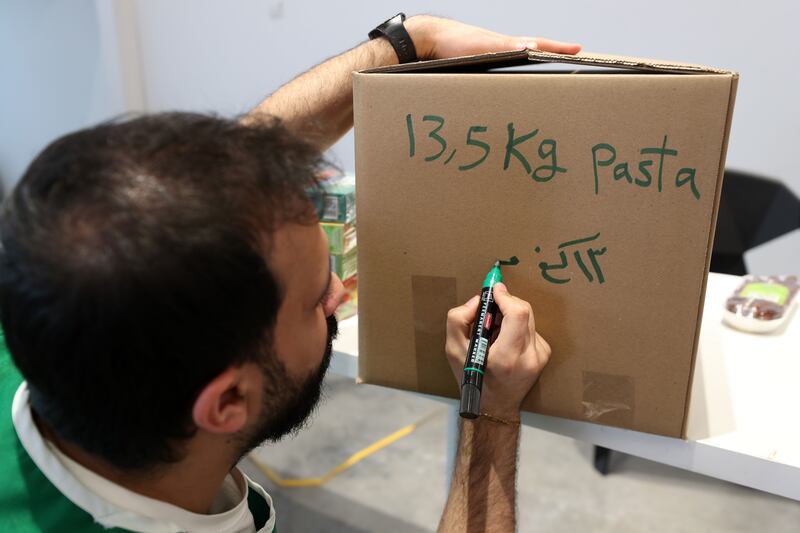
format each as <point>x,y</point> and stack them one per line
<point>328,284</point>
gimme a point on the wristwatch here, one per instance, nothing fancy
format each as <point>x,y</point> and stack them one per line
<point>398,37</point>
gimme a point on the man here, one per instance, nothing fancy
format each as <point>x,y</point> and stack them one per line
<point>165,295</point>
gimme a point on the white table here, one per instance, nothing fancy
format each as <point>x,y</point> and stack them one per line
<point>744,416</point>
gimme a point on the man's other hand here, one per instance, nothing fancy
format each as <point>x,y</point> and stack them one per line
<point>437,38</point>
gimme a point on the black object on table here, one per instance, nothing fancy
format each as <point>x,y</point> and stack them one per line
<point>752,210</point>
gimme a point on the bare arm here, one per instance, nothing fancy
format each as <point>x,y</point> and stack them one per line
<point>483,490</point>
<point>318,104</point>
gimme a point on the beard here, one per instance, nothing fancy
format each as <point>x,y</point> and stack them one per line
<point>288,403</point>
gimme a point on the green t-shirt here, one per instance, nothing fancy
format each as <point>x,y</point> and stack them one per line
<point>29,502</point>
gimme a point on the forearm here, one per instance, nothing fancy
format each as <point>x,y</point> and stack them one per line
<point>318,105</point>
<point>483,490</point>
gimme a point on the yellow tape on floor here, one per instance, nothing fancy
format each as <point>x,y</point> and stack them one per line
<point>353,459</point>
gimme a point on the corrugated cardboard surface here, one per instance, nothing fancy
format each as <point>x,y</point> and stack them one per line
<point>622,349</point>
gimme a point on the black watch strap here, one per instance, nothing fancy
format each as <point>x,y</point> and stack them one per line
<point>396,34</point>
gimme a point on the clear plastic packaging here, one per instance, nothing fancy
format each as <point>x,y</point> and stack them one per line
<point>762,303</point>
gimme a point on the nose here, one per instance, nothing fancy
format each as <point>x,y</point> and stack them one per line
<point>337,295</point>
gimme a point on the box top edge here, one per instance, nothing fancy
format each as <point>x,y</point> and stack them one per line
<point>522,57</point>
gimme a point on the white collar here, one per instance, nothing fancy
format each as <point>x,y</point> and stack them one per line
<point>118,506</point>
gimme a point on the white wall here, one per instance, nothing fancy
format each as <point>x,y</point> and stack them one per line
<point>59,71</point>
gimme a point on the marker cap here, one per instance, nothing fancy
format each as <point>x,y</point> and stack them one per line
<point>470,400</point>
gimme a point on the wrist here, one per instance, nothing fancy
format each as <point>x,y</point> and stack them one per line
<point>506,411</point>
<point>421,29</point>
<point>489,425</point>
<point>382,53</point>
<point>512,422</point>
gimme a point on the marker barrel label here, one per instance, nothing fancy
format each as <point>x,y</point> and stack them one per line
<point>480,353</point>
<point>481,337</point>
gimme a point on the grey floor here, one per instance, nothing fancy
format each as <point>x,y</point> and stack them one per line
<point>402,487</point>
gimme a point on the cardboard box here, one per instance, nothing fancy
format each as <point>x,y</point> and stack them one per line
<point>339,199</point>
<point>603,180</point>
<point>345,265</point>
<point>341,237</point>
<point>349,305</point>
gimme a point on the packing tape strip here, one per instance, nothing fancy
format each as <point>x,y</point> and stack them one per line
<point>608,398</point>
<point>432,297</point>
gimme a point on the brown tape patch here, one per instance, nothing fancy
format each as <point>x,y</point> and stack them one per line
<point>608,398</point>
<point>433,297</point>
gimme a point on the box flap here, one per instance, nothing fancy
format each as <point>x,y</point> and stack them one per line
<point>522,57</point>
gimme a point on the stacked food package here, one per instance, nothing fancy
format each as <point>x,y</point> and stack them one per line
<point>338,220</point>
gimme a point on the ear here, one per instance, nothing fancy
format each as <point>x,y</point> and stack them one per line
<point>226,402</point>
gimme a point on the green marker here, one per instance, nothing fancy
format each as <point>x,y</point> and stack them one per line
<point>475,363</point>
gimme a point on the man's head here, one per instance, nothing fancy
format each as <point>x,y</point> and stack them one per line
<point>164,276</point>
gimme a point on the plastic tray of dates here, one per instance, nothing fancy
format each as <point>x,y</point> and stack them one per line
<point>762,303</point>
